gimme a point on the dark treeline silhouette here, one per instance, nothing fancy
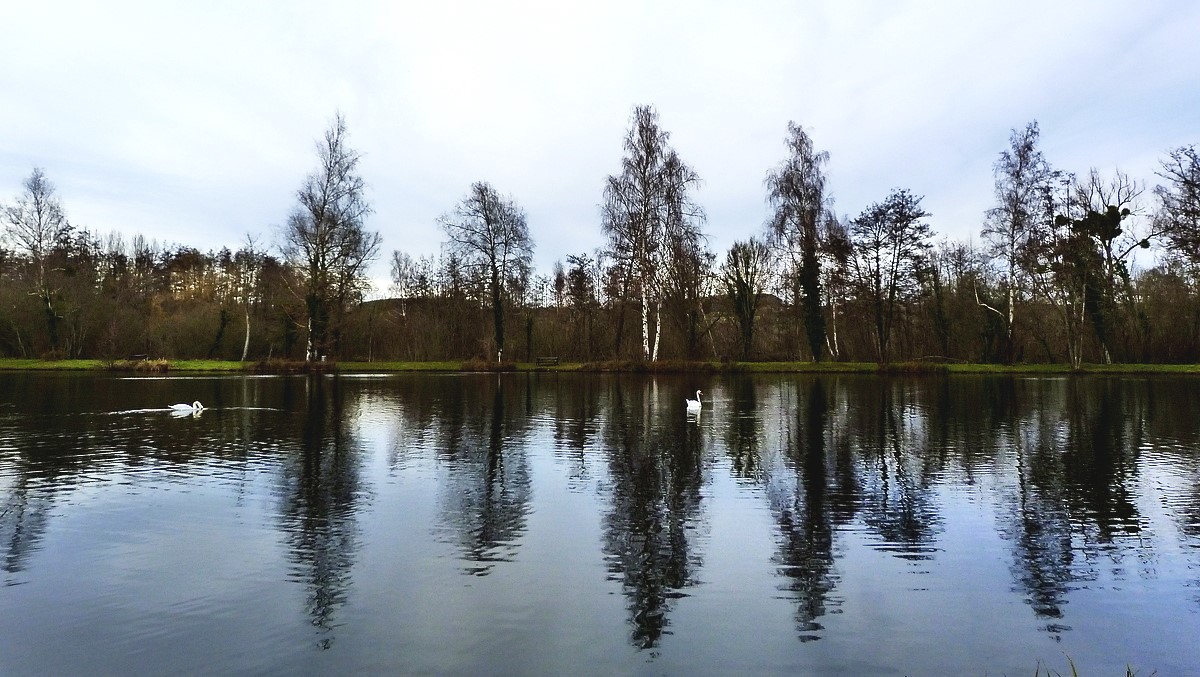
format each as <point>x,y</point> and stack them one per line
<point>1052,277</point>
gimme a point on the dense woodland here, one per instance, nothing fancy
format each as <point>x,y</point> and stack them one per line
<point>1052,278</point>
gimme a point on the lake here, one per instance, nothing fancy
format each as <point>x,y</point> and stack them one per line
<point>586,524</point>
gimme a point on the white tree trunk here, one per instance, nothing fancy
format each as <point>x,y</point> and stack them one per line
<point>246,344</point>
<point>1009,328</point>
<point>831,339</point>
<point>645,326</point>
<point>309,351</point>
<point>657,330</point>
<point>17,332</point>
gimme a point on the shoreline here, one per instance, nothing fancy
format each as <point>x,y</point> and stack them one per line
<point>617,366</point>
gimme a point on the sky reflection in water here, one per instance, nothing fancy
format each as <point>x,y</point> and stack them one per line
<point>586,524</point>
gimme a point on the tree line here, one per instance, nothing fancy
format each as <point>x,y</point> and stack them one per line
<point>1052,278</point>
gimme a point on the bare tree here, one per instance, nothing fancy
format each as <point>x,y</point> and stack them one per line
<point>489,235</point>
<point>1061,265</point>
<point>584,278</point>
<point>633,213</point>
<point>1023,177</point>
<point>1077,260</point>
<point>745,275</point>
<point>248,265</point>
<point>1179,201</point>
<point>36,224</point>
<point>646,208</point>
<point>325,239</point>
<point>891,241</point>
<point>560,284</point>
<point>834,259</point>
<point>686,270</point>
<point>1120,193</point>
<point>424,277</point>
<point>796,190</point>
<point>404,271</point>
<point>1110,209</point>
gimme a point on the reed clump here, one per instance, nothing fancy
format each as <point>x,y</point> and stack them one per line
<point>142,365</point>
<point>1045,671</point>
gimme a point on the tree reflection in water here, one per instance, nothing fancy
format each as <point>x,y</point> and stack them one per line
<point>805,557</point>
<point>1086,480</point>
<point>898,468</point>
<point>655,473</point>
<point>24,514</point>
<point>487,491</point>
<point>322,492</point>
<point>44,452</point>
<point>743,435</point>
<point>574,407</point>
<point>59,434</point>
<point>1076,458</point>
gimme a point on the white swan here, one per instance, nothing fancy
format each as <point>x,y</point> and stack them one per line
<point>693,405</point>
<point>194,406</point>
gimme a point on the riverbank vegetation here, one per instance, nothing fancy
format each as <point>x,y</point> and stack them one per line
<point>616,366</point>
<point>1054,279</point>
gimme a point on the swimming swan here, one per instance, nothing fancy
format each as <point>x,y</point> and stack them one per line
<point>194,406</point>
<point>693,405</point>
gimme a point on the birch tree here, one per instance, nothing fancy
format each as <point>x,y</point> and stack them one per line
<point>834,260</point>
<point>646,208</point>
<point>1022,176</point>
<point>248,265</point>
<point>325,238</point>
<point>404,272</point>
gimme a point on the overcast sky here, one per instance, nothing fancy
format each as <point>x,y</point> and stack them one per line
<point>195,123</point>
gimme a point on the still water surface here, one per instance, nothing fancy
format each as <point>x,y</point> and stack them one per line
<point>583,524</point>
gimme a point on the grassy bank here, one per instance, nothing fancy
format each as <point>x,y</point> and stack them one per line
<point>1066,369</point>
<point>622,366</point>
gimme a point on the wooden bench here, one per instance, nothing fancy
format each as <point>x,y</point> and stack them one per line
<point>546,361</point>
<point>138,357</point>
